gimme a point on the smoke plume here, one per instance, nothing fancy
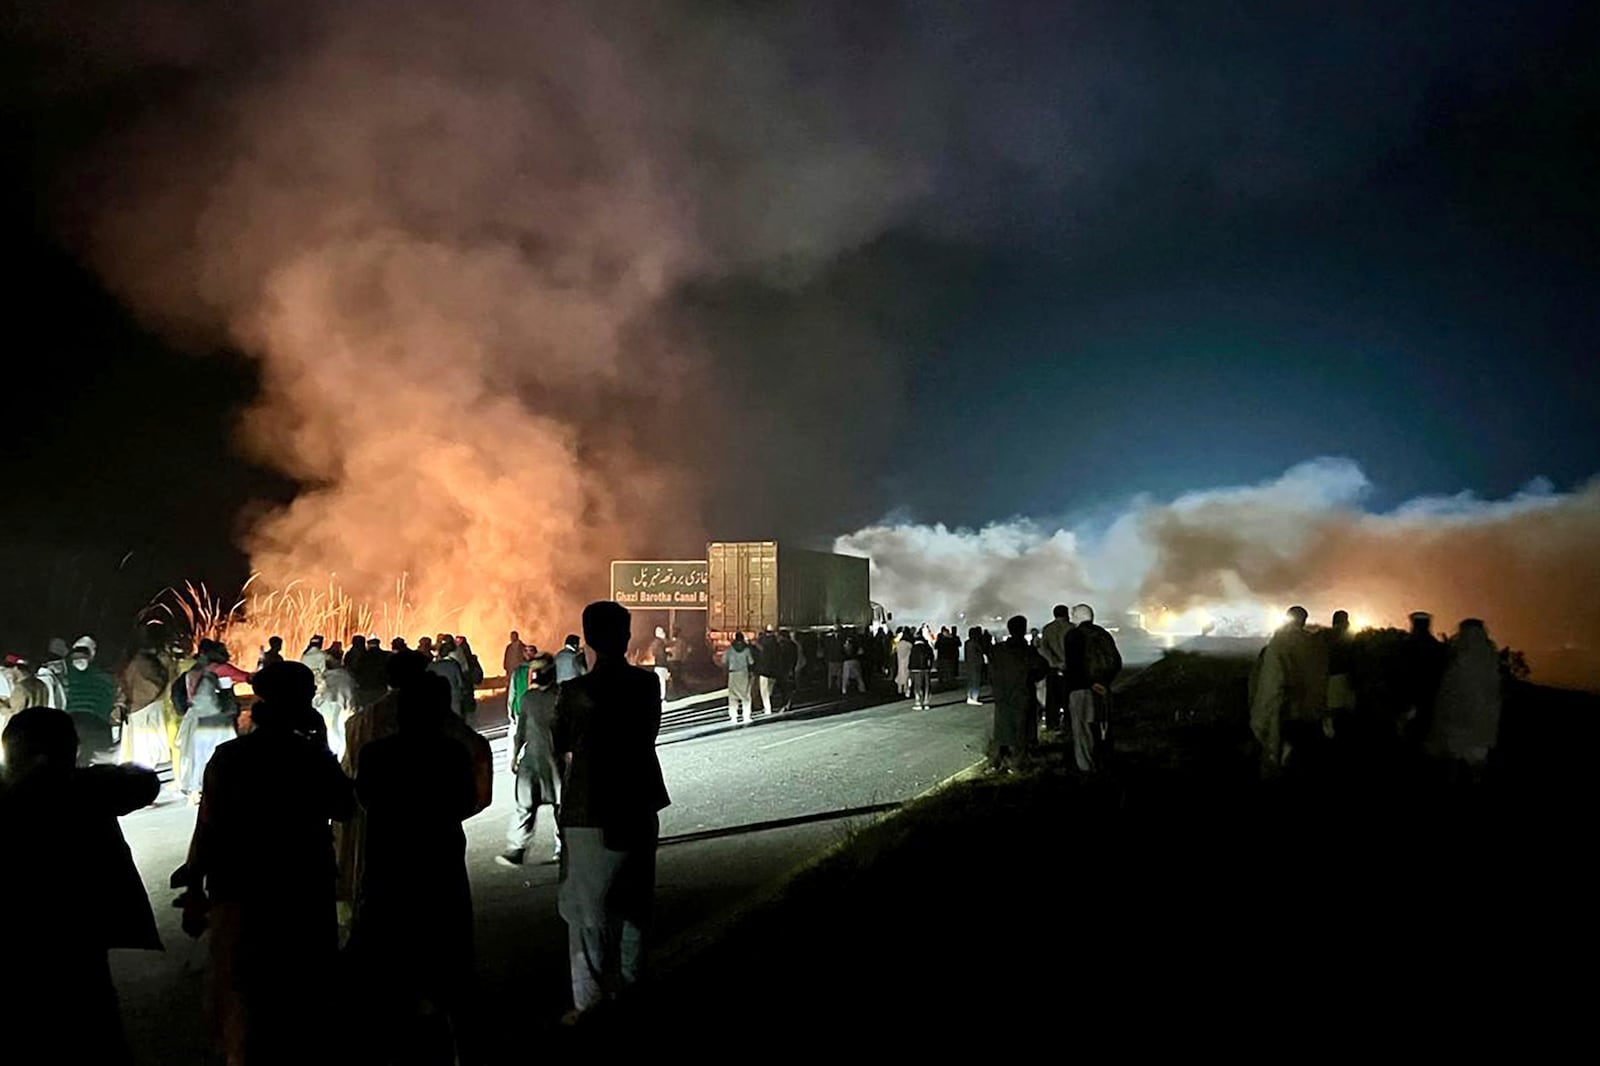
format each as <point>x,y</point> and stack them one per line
<point>1236,557</point>
<point>455,240</point>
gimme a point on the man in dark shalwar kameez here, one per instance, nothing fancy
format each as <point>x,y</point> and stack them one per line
<point>1015,670</point>
<point>605,728</point>
<point>260,874</point>
<point>411,941</point>
<point>533,762</point>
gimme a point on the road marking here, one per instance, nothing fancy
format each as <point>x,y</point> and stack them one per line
<point>803,736</point>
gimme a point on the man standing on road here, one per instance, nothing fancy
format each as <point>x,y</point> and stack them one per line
<point>974,666</point>
<point>788,667</point>
<point>739,659</point>
<point>448,667</point>
<point>947,652</point>
<point>605,729</point>
<point>833,654</point>
<point>412,935</point>
<point>1050,646</point>
<point>260,874</point>
<point>140,689</point>
<point>851,673</point>
<point>1015,670</point>
<point>769,667</point>
<point>533,762</point>
<point>1092,662</point>
<point>921,669</point>
<point>91,697</point>
<point>570,661</point>
<point>516,654</point>
<point>658,660</point>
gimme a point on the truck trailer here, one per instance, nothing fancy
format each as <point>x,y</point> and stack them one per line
<point>757,584</point>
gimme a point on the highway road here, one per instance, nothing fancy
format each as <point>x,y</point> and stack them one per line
<point>716,853</point>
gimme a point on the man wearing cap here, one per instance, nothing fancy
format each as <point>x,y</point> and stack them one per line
<point>91,697</point>
<point>24,691</point>
<point>315,657</point>
<point>1422,663</point>
<point>533,761</point>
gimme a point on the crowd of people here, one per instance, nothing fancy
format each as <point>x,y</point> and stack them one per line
<point>329,831</point>
<point>1441,699</point>
<point>1063,672</point>
<point>377,745</point>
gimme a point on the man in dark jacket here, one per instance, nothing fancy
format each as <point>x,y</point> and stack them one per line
<point>605,729</point>
<point>412,936</point>
<point>947,650</point>
<point>788,666</point>
<point>447,667</point>
<point>833,655</point>
<point>769,668</point>
<point>1422,662</point>
<point>1090,662</point>
<point>260,873</point>
<point>570,660</point>
<point>1015,670</point>
<point>58,828</point>
<point>974,666</point>
<point>921,669</point>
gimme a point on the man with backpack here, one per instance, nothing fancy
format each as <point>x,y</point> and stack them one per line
<point>209,713</point>
<point>1090,662</point>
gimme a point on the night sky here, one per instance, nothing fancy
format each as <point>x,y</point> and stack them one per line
<point>1162,247</point>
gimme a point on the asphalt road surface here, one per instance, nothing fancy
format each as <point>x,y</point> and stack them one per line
<point>716,854</point>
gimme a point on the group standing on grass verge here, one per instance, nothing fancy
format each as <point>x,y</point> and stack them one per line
<point>1438,700</point>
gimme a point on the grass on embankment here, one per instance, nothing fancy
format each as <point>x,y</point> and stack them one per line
<point>1170,901</point>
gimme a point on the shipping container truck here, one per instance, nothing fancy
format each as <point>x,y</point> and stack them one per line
<point>756,584</point>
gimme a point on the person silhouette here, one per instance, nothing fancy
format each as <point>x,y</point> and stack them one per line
<point>412,936</point>
<point>260,872</point>
<point>605,730</point>
<point>58,826</point>
<point>1015,670</point>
